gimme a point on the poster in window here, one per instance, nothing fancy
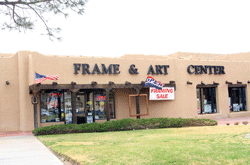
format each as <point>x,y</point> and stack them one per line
<point>208,108</point>
<point>89,119</point>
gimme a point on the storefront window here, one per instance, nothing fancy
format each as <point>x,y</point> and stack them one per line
<point>90,106</point>
<point>237,99</point>
<point>52,106</point>
<point>68,107</point>
<point>206,100</point>
<point>99,100</point>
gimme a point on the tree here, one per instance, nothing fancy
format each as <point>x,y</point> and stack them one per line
<point>23,14</point>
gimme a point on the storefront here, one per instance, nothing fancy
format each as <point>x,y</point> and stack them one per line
<point>90,104</point>
<point>101,89</point>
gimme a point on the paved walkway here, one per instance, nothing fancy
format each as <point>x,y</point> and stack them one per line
<point>25,150</point>
<point>15,133</point>
<point>232,120</point>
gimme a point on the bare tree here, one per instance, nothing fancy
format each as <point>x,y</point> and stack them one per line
<point>21,15</point>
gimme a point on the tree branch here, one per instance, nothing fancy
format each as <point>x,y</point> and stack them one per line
<point>23,14</point>
<point>22,2</point>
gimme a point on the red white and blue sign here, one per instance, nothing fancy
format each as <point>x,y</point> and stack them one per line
<point>151,82</point>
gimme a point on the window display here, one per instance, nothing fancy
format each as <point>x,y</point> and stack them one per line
<point>68,108</point>
<point>90,106</point>
<point>52,106</point>
<point>206,100</point>
<point>237,99</point>
<point>99,100</point>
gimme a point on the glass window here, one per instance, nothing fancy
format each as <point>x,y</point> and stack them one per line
<point>237,99</point>
<point>99,101</point>
<point>206,100</point>
<point>68,108</point>
<point>52,106</point>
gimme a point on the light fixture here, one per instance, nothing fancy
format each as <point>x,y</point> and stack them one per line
<point>73,83</point>
<point>7,82</point>
<point>190,83</point>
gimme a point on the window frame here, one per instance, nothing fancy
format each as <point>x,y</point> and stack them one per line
<point>61,105</point>
<point>214,101</point>
<point>244,101</point>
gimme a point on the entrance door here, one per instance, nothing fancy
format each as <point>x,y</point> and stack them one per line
<point>80,108</point>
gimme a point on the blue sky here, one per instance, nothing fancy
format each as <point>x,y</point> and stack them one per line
<point>159,27</point>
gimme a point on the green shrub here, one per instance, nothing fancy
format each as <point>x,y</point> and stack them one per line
<point>123,124</point>
<point>245,122</point>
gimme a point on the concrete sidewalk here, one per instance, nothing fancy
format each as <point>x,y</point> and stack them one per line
<point>232,120</point>
<point>25,150</point>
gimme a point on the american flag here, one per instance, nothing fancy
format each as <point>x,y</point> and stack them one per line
<point>40,78</point>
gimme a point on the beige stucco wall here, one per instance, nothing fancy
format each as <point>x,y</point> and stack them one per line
<point>19,69</point>
<point>9,102</point>
<point>16,112</point>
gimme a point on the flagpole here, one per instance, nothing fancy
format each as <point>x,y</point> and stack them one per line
<point>35,105</point>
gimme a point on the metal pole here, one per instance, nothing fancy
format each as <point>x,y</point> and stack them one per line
<point>35,107</point>
<point>138,103</point>
<point>107,104</point>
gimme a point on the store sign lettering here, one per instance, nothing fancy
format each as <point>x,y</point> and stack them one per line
<point>100,98</point>
<point>114,69</point>
<point>55,94</point>
<point>153,69</point>
<point>206,69</point>
<point>85,69</point>
<point>159,69</point>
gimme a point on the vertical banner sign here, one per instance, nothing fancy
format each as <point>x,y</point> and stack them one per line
<point>166,93</point>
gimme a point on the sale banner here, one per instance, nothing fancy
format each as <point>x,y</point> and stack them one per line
<point>166,93</point>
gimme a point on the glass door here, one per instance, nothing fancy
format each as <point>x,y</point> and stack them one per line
<point>89,110</point>
<point>80,108</point>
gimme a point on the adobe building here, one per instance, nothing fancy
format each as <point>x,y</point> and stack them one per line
<point>97,89</point>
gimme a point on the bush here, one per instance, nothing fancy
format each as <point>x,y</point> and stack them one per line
<point>236,123</point>
<point>245,122</point>
<point>123,124</point>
